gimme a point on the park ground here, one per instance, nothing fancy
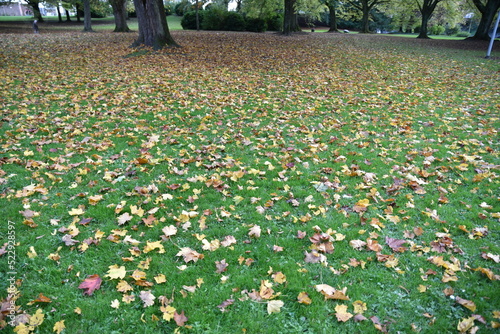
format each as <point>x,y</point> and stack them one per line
<point>248,183</point>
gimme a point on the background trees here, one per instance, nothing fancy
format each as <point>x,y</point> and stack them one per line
<point>425,17</point>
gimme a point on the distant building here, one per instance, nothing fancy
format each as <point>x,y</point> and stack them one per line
<point>16,8</point>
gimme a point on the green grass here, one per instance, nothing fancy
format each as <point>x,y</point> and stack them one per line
<point>235,130</point>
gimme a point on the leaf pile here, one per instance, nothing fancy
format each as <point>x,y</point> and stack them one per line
<point>249,180</point>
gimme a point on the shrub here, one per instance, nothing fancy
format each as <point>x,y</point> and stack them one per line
<point>234,21</point>
<point>275,23</point>
<point>256,25</point>
<point>214,19</point>
<point>189,19</point>
<point>437,30</point>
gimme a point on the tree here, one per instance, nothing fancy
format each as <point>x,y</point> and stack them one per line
<point>153,27</point>
<point>290,23</point>
<point>87,21</point>
<point>120,14</point>
<point>365,6</point>
<point>332,14</point>
<point>488,9</point>
<point>35,5</point>
<point>426,9</point>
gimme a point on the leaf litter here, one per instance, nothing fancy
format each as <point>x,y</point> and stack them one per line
<point>235,146</point>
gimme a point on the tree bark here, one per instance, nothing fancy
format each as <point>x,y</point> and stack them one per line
<point>59,15</point>
<point>153,27</point>
<point>68,17</point>
<point>426,9</point>
<point>87,21</point>
<point>290,18</point>
<point>488,12</point>
<point>35,5</point>
<point>332,15</point>
<point>120,14</point>
<point>366,16</point>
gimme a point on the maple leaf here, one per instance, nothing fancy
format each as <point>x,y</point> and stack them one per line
<point>122,219</point>
<point>147,298</point>
<point>189,254</point>
<point>123,286</point>
<point>228,241</point>
<point>41,299</point>
<point>274,306</point>
<point>221,266</point>
<point>169,230</point>
<point>303,298</point>
<point>180,319</point>
<point>59,327</point>
<point>342,314</point>
<point>115,304</point>
<point>225,304</point>
<point>160,279</point>
<point>255,231</point>
<point>359,307</point>
<point>116,272</point>
<point>90,284</point>
<point>466,303</point>
<point>395,244</point>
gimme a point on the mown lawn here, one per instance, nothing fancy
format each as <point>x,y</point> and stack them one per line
<point>248,183</point>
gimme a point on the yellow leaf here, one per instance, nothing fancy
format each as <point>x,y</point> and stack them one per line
<point>279,277</point>
<point>37,318</point>
<point>303,298</point>
<point>59,327</point>
<point>274,306</point>
<point>116,272</point>
<point>466,324</point>
<point>76,212</point>
<point>342,314</point>
<point>22,329</point>
<point>168,312</point>
<point>422,288</point>
<point>115,304</point>
<point>359,307</point>
<point>160,279</point>
<point>93,200</point>
<point>32,253</point>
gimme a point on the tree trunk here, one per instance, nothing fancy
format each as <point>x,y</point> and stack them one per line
<point>120,14</point>
<point>423,27</point>
<point>87,22</point>
<point>68,17</point>
<point>426,9</point>
<point>365,21</point>
<point>488,12</point>
<point>290,18</point>
<point>332,16</point>
<point>59,15</point>
<point>35,5</point>
<point>153,27</point>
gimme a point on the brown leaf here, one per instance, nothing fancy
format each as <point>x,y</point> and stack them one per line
<point>180,319</point>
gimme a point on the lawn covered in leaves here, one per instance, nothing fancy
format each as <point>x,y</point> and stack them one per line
<point>248,183</point>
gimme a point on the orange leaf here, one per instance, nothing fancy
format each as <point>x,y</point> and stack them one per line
<point>90,284</point>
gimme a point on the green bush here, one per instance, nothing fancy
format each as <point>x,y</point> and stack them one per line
<point>256,25</point>
<point>214,19</point>
<point>234,21</point>
<point>275,23</point>
<point>437,30</point>
<point>188,21</point>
